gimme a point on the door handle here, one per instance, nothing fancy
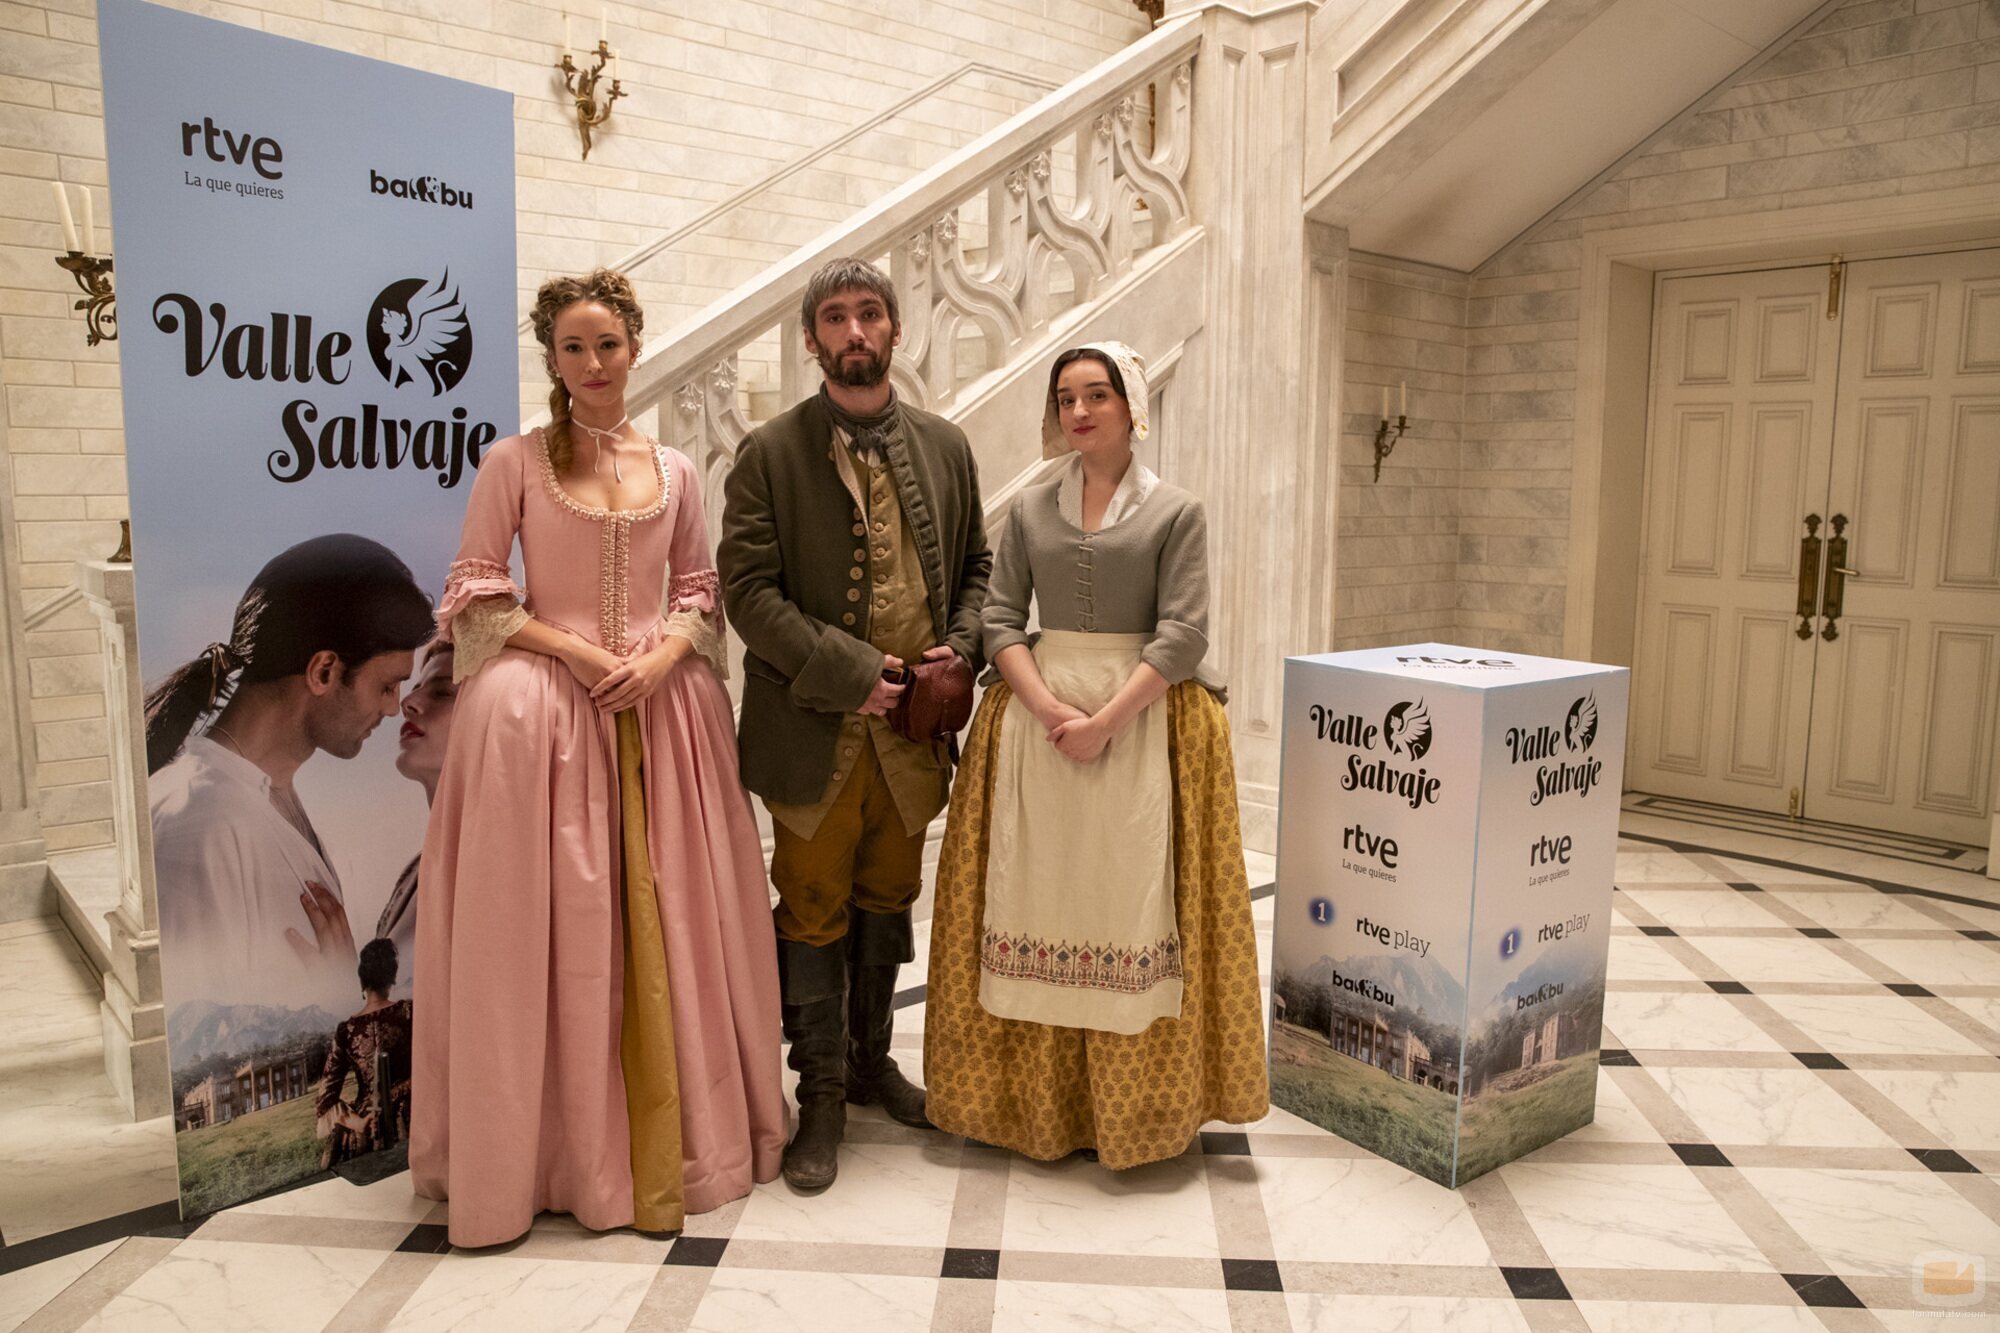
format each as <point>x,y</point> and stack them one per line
<point>1808,600</point>
<point>1836,579</point>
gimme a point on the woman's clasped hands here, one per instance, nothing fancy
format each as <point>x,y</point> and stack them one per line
<point>1077,735</point>
<point>617,683</point>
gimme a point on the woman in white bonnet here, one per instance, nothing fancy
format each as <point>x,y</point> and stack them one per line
<point>1093,973</point>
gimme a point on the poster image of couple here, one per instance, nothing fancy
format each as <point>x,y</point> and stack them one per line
<point>288,939</point>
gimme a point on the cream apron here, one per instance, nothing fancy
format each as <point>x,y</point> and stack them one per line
<point>1080,928</point>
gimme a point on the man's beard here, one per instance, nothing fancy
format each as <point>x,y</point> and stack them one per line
<point>855,374</point>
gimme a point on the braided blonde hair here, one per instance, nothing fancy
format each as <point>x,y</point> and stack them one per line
<point>607,287</point>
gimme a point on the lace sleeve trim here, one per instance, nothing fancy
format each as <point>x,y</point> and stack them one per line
<point>481,630</point>
<point>701,631</point>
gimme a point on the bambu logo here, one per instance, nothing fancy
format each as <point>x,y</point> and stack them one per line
<point>419,334</point>
<point>1581,727</point>
<point>423,189</point>
<point>1407,729</point>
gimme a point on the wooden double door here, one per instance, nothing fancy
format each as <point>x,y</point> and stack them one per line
<point>1819,628</point>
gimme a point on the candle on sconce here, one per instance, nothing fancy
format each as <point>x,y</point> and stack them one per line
<point>89,225</point>
<point>1404,408</point>
<point>567,48</point>
<point>62,211</point>
<point>603,18</point>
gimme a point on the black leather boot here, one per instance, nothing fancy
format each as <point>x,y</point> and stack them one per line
<point>811,982</point>
<point>878,946</point>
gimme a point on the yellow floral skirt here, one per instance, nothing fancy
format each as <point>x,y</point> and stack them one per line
<point>1046,1091</point>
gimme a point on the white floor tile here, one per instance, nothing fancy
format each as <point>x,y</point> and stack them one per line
<point>1078,1207</point>
<point>1077,1307</point>
<point>475,1293</point>
<point>749,1300</point>
<point>1365,1211</point>
<point>1589,1216</point>
<point>1870,1024</point>
<point>1792,1108</point>
<point>1318,1313</point>
<point>1875,1221</point>
<point>245,1288</point>
<point>1961,1109</point>
<point>886,1195</point>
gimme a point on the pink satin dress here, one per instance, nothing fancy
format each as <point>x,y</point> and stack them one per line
<point>519,1099</point>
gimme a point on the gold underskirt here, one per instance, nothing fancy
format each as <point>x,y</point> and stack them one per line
<point>646,1038</point>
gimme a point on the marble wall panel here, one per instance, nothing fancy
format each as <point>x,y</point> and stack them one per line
<point>719,99</point>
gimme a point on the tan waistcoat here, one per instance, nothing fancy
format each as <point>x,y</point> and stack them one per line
<point>891,575</point>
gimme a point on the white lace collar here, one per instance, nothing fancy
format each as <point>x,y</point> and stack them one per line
<point>1137,483</point>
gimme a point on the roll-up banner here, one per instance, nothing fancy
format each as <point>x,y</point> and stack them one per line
<point>1447,836</point>
<point>316,285</point>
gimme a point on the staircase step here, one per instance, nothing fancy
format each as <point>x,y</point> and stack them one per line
<point>86,888</point>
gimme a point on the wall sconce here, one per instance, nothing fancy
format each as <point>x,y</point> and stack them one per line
<point>582,84</point>
<point>1387,434</point>
<point>91,271</point>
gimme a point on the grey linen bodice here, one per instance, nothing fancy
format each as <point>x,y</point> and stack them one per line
<point>1146,574</point>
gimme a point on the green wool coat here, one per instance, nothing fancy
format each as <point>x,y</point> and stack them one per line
<point>788,546</point>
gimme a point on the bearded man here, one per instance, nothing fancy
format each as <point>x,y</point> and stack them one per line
<point>853,542</point>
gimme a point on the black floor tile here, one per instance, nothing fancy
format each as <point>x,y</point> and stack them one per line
<point>425,1238</point>
<point>971,1263</point>
<point>698,1251</point>
<point>1613,1057</point>
<point>1729,988</point>
<point>1251,1275</point>
<point>1817,933</point>
<point>1225,1143</point>
<point>1986,936</point>
<point>1943,1160</point>
<point>1908,989</point>
<point>1657,930</point>
<point>1818,1060</point>
<point>1535,1284</point>
<point>1747,888</point>
<point>1825,1292</point>
<point>1699,1154</point>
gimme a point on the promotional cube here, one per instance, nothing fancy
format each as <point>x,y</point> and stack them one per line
<point>1447,834</point>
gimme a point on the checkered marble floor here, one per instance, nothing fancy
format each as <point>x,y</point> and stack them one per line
<point>1799,1102</point>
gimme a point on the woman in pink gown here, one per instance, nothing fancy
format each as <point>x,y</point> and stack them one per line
<point>596,990</point>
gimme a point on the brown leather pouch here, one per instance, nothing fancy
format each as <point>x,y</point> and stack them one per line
<point>936,702</point>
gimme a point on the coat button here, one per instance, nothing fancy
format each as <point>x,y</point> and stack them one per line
<point>859,555</point>
<point>847,618</point>
<point>861,529</point>
<point>881,526</point>
<point>854,594</point>
<point>881,604</point>
<point>881,553</point>
<point>854,573</point>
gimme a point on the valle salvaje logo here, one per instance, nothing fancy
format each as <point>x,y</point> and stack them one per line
<point>418,333</point>
<point>1405,732</point>
<point>286,349</point>
<point>1578,734</point>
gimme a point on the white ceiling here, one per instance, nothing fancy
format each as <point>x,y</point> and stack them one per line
<point>1635,67</point>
